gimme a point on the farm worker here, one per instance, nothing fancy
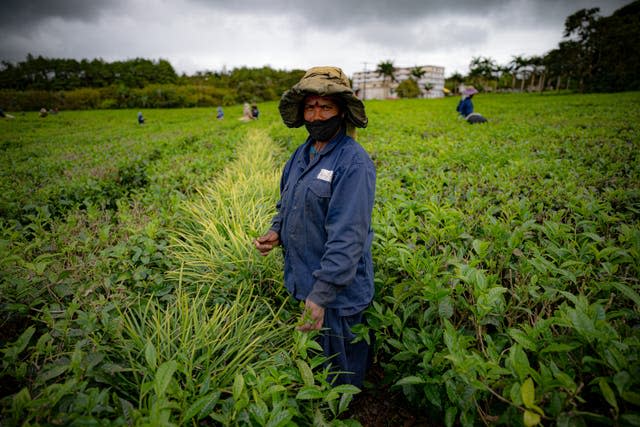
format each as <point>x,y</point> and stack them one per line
<point>246,112</point>
<point>140,118</point>
<point>323,219</point>
<point>220,113</point>
<point>465,107</point>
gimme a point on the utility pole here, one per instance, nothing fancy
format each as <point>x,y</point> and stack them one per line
<point>364,82</point>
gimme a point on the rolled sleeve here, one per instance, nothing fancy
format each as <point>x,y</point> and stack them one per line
<point>323,293</point>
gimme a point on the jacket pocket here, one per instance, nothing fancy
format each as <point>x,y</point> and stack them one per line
<point>320,188</point>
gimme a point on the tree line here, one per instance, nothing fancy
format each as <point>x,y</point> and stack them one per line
<point>597,54</point>
<point>39,82</point>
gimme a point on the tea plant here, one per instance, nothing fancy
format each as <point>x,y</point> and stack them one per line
<point>507,274</point>
<point>506,263</point>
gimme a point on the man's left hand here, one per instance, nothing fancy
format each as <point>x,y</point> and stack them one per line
<point>312,317</point>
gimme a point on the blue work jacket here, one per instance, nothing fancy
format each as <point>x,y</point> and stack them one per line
<point>465,107</point>
<point>324,223</point>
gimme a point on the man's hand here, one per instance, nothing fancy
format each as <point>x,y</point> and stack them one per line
<point>267,242</point>
<point>312,317</point>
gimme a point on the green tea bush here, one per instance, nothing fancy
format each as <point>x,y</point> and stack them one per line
<point>506,260</point>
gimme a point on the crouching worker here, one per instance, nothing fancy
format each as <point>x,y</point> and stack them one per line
<point>465,107</point>
<point>323,220</point>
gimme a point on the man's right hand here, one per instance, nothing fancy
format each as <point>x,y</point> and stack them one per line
<point>265,243</point>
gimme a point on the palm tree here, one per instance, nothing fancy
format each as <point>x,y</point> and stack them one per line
<point>417,72</point>
<point>537,70</point>
<point>519,65</point>
<point>483,70</point>
<point>386,69</point>
<point>428,87</point>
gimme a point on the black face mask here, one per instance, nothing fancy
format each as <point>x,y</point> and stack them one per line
<point>324,130</point>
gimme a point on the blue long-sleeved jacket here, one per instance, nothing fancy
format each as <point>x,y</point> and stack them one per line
<point>324,223</point>
<point>465,107</point>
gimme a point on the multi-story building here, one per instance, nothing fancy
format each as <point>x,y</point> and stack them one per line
<point>371,85</point>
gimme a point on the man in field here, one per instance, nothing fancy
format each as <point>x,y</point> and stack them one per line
<point>324,217</point>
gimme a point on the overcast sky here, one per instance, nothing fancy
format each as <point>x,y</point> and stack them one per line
<point>199,35</point>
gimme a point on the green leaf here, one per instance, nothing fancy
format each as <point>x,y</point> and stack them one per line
<point>279,417</point>
<point>450,416</point>
<point>21,343</point>
<point>346,389</point>
<point>445,308</point>
<point>345,399</point>
<point>628,292</point>
<point>631,419</point>
<point>202,407</point>
<point>608,393</point>
<point>51,373</point>
<point>163,377</point>
<point>260,410</point>
<point>519,361</point>
<point>309,392</point>
<point>238,386</point>
<point>523,339</point>
<point>622,380</point>
<point>559,348</point>
<point>631,397</point>
<point>531,418</point>
<point>583,324</point>
<point>410,380</point>
<point>150,355</point>
<point>528,393</point>
<point>127,410</point>
<point>20,400</point>
<point>305,372</point>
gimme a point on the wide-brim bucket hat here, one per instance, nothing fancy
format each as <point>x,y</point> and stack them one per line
<point>469,91</point>
<point>322,81</point>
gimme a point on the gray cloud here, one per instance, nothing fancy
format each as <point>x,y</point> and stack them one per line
<point>196,35</point>
<point>22,15</point>
<point>335,13</point>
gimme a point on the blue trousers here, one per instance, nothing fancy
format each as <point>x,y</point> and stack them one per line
<point>348,361</point>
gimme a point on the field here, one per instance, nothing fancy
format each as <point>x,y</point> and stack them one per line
<point>507,260</point>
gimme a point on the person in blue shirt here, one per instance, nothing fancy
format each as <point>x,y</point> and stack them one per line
<point>220,113</point>
<point>323,220</point>
<point>465,106</point>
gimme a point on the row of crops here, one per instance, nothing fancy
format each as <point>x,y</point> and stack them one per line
<point>506,259</point>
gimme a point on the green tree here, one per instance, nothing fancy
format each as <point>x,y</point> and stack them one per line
<point>386,70</point>
<point>454,81</point>
<point>417,73</point>
<point>428,87</point>
<point>408,89</point>
<point>580,28</point>
<point>617,51</point>
<point>521,70</point>
<point>481,70</point>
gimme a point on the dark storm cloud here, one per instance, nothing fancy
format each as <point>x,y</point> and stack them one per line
<point>331,13</point>
<point>22,15</point>
<point>287,33</point>
<point>335,13</point>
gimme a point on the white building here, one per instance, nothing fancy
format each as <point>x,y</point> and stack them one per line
<point>371,85</point>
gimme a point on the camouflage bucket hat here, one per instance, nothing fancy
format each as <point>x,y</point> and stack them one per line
<point>322,81</point>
